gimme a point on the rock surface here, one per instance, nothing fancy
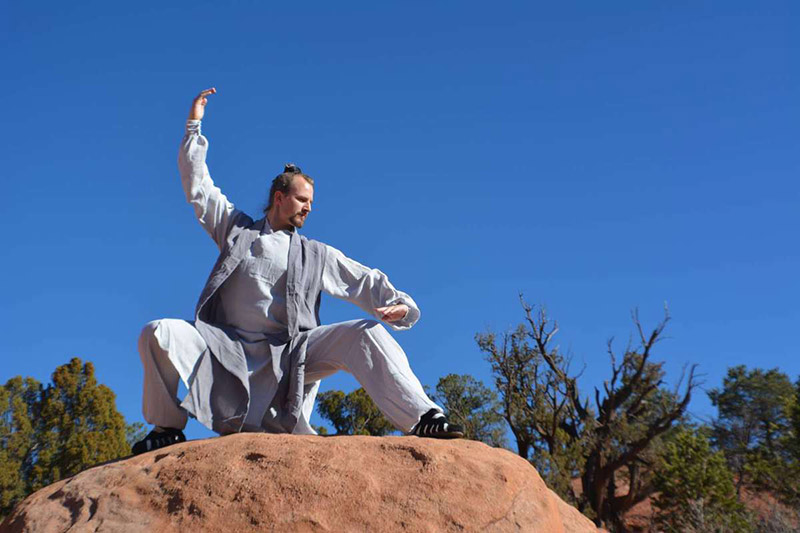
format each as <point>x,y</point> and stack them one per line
<point>260,482</point>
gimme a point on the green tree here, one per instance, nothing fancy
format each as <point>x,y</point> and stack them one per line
<point>755,430</point>
<point>695,487</point>
<point>353,414</point>
<point>54,432</point>
<point>612,445</point>
<point>19,403</point>
<point>80,424</point>
<point>469,403</point>
<point>793,446</point>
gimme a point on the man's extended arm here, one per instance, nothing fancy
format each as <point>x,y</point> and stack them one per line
<point>368,288</point>
<point>211,207</point>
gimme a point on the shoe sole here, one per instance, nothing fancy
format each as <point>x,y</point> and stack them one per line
<point>446,435</point>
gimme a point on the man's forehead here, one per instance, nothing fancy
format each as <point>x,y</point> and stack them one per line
<point>301,186</point>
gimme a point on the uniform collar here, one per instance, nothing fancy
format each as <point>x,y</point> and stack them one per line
<point>266,229</point>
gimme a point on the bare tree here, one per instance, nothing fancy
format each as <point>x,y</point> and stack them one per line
<point>610,445</point>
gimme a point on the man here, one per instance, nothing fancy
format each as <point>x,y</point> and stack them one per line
<point>256,351</point>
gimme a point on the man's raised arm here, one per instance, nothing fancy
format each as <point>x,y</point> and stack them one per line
<point>211,207</point>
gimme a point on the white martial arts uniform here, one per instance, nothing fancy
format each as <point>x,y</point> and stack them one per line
<point>253,301</point>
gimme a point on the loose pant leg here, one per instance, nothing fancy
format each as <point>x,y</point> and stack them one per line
<point>169,350</point>
<point>367,351</point>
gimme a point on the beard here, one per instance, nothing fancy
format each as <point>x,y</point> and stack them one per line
<point>297,220</point>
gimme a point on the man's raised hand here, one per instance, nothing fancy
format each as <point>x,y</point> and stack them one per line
<point>199,104</point>
<point>392,313</point>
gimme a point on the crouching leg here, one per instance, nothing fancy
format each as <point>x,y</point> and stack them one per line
<point>168,349</point>
<point>366,350</point>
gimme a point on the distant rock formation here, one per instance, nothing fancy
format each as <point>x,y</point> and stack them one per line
<point>261,482</point>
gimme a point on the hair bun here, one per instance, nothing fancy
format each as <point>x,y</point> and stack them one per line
<point>291,168</point>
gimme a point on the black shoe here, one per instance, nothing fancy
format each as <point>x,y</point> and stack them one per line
<point>434,424</point>
<point>158,439</point>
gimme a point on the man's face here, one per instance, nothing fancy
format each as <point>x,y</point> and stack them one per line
<point>295,205</point>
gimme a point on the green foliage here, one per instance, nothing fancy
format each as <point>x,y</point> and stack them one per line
<point>19,406</point>
<point>352,414</point>
<point>794,440</point>
<point>536,409</point>
<point>51,433</point>
<point>695,487</point>
<point>469,403</point>
<point>755,429</point>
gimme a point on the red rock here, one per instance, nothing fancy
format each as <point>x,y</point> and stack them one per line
<point>261,482</point>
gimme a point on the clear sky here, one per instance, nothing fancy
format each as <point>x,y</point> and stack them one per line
<point>595,156</point>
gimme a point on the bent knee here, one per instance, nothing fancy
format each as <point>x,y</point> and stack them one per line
<point>149,331</point>
<point>372,328</point>
<point>149,340</point>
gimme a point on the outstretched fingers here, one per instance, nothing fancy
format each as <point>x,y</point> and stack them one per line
<point>198,105</point>
<point>202,96</point>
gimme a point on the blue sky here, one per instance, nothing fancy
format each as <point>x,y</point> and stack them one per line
<point>596,157</point>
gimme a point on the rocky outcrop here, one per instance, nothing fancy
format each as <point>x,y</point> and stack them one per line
<point>260,482</point>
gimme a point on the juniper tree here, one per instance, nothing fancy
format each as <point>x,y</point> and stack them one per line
<point>353,413</point>
<point>695,487</point>
<point>755,430</point>
<point>470,404</point>
<point>79,425</point>
<point>612,444</point>
<point>18,445</point>
<point>49,433</point>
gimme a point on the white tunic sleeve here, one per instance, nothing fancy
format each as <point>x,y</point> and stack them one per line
<point>366,287</point>
<point>211,207</point>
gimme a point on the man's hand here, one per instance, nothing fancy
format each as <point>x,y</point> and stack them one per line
<point>392,313</point>
<point>199,104</point>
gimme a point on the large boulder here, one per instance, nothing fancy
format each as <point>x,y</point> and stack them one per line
<point>261,482</point>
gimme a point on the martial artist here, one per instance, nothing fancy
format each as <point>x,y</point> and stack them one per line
<point>253,357</point>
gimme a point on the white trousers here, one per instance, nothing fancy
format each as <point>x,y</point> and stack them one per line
<point>169,349</point>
